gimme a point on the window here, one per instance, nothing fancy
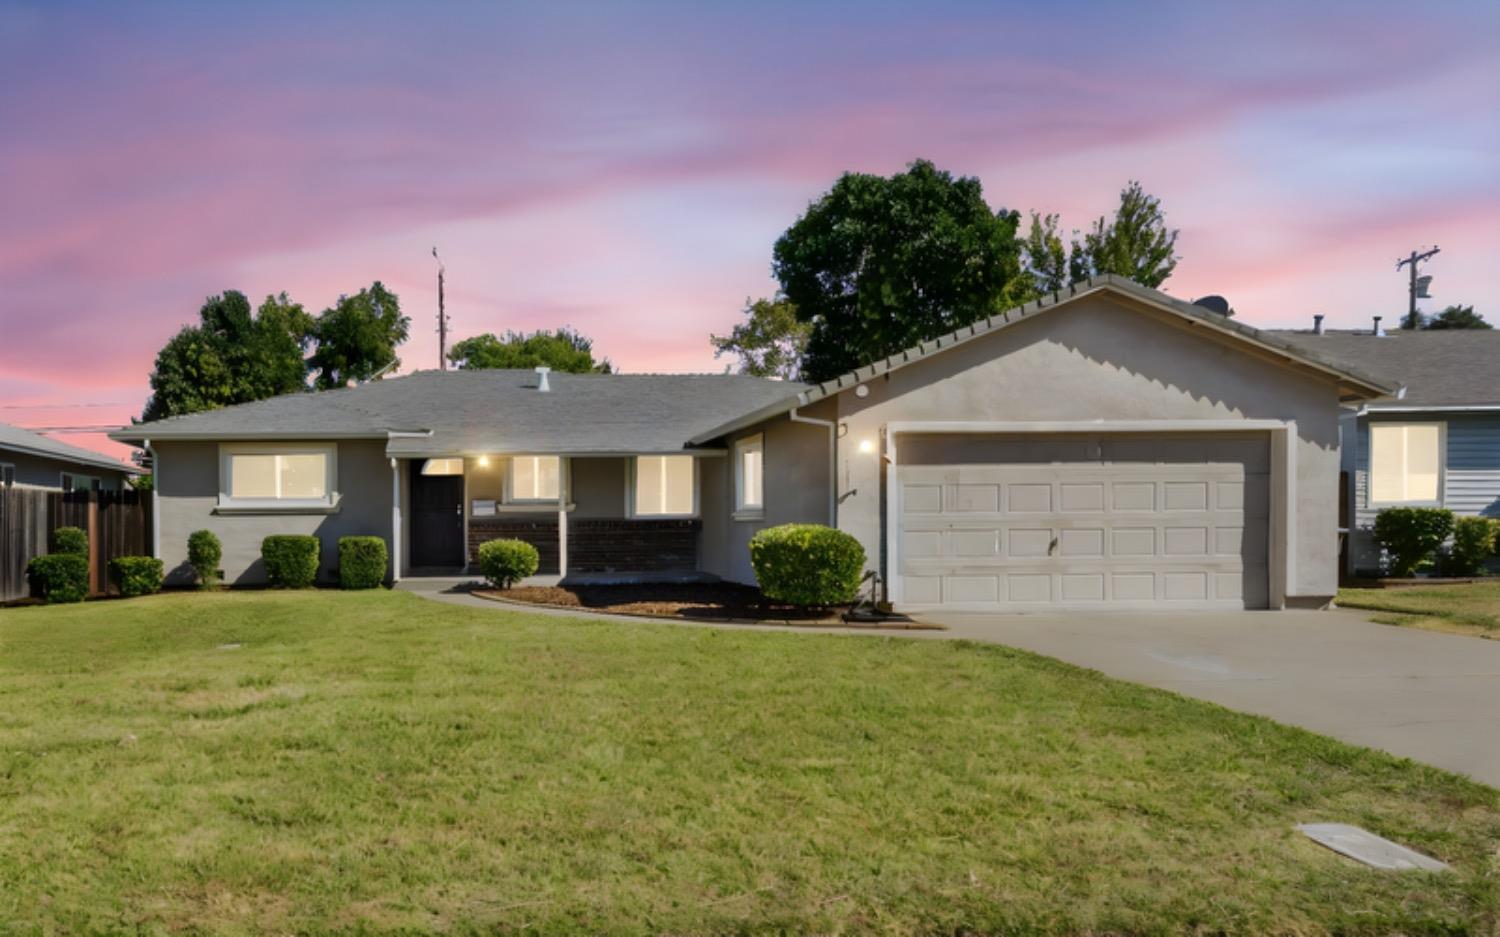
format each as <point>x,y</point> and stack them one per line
<point>292,474</point>
<point>535,478</point>
<point>74,482</point>
<point>443,467</point>
<point>1406,463</point>
<point>7,475</point>
<point>664,486</point>
<point>749,478</point>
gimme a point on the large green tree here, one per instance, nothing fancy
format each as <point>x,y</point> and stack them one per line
<point>1135,244</point>
<point>770,342</point>
<point>357,337</point>
<point>878,264</point>
<point>562,350</point>
<point>231,356</point>
<point>1457,317</point>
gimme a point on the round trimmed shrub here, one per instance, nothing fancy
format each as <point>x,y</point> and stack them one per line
<point>136,575</point>
<point>1412,535</point>
<point>1473,542</point>
<point>807,564</point>
<point>204,555</point>
<point>506,562</point>
<point>362,562</point>
<point>59,577</point>
<point>291,559</point>
<point>70,540</point>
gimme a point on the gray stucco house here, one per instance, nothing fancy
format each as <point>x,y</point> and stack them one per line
<point>1108,446</point>
<point>31,460</point>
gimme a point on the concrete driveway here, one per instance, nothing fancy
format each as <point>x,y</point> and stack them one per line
<point>1431,697</point>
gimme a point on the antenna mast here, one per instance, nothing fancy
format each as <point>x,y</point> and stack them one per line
<point>442,317</point>
<point>1417,288</point>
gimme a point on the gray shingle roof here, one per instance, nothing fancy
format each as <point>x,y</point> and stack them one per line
<point>1439,368</point>
<point>473,412</point>
<point>16,439</point>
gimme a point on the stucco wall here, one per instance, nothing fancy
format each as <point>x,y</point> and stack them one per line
<point>41,472</point>
<point>187,485</point>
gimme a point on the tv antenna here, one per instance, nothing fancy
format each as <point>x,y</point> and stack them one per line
<point>1417,289</point>
<point>442,328</point>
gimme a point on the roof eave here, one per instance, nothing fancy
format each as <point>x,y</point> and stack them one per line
<point>102,461</point>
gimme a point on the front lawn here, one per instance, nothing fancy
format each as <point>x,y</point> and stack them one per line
<point>306,762</point>
<point>1471,608</point>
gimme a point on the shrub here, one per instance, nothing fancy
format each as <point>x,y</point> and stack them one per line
<point>70,540</point>
<point>807,564</point>
<point>1473,542</point>
<point>291,559</point>
<point>506,562</point>
<point>136,575</point>
<point>59,577</point>
<point>204,555</point>
<point>362,562</point>
<point>1411,535</point>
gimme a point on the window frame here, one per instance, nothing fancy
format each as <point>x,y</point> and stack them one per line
<point>510,481</point>
<point>743,510</point>
<point>632,475</point>
<point>330,452</point>
<point>95,483</point>
<point>7,475</point>
<point>1442,464</point>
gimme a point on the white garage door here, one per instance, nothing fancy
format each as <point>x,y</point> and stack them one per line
<point>1118,521</point>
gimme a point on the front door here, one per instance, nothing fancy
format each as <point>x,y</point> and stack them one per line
<point>437,523</point>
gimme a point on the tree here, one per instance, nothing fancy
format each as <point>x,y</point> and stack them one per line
<point>1136,245</point>
<point>231,356</point>
<point>879,264</point>
<point>1457,317</point>
<point>1044,258</point>
<point>357,337</point>
<point>770,342</point>
<point>562,350</point>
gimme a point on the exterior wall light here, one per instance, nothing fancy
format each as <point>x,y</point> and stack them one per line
<point>484,461</point>
<point>866,446</point>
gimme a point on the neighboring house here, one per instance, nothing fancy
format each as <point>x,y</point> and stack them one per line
<point>32,460</point>
<point>1110,447</point>
<point>1435,444</point>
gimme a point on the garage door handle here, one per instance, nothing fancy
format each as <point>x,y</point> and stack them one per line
<point>1052,547</point>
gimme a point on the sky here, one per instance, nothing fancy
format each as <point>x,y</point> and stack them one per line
<point>625,169</point>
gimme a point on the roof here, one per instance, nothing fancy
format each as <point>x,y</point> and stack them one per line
<point>1437,367</point>
<point>16,439</point>
<point>434,413</point>
<point>1355,382</point>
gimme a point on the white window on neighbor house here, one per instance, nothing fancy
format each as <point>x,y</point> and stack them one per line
<point>534,478</point>
<point>1406,463</point>
<point>664,486</point>
<point>749,475</point>
<point>288,475</point>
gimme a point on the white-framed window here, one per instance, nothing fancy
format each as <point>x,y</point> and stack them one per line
<point>749,474</point>
<point>443,467</point>
<point>1406,463</point>
<point>7,475</point>
<point>277,474</point>
<point>72,481</point>
<point>664,486</point>
<point>534,478</point>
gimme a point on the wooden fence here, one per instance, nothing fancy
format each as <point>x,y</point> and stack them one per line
<point>118,524</point>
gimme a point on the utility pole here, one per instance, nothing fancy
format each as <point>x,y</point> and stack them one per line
<point>442,317</point>
<point>1417,288</point>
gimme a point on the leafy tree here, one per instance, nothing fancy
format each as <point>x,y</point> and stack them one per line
<point>357,337</point>
<point>879,264</point>
<point>770,342</point>
<point>562,350</point>
<point>232,356</point>
<point>1136,245</point>
<point>1457,317</point>
<point>1044,258</point>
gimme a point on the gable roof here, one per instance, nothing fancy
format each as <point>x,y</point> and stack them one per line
<point>435,413</point>
<point>16,439</point>
<point>1354,382</point>
<point>1438,368</point>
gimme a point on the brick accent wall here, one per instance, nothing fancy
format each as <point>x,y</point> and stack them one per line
<point>541,534</point>
<point>637,546</point>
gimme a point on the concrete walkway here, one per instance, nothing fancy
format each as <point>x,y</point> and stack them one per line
<point>1427,696</point>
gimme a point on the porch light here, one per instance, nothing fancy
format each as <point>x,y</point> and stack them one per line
<point>866,446</point>
<point>484,461</point>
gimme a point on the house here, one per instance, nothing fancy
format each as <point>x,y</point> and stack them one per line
<point>31,460</point>
<point>1105,447</point>
<point>1436,443</point>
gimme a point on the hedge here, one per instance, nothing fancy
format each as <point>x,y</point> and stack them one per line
<point>204,555</point>
<point>506,562</point>
<point>1473,542</point>
<point>70,540</point>
<point>1412,535</point>
<point>291,559</point>
<point>807,564</point>
<point>59,577</point>
<point>136,575</point>
<point>362,562</point>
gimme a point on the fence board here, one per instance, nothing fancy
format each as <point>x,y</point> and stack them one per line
<point>119,523</point>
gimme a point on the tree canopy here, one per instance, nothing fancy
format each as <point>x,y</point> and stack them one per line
<point>1136,244</point>
<point>357,337</point>
<point>770,342</point>
<point>1457,317</point>
<point>879,264</point>
<point>562,350</point>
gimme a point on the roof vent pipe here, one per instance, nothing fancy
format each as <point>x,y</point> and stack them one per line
<point>1378,331</point>
<point>541,378</point>
<point>1318,325</point>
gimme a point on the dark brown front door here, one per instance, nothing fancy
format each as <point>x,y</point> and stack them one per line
<point>437,522</point>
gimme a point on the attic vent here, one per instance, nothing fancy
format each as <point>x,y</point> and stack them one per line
<point>541,378</point>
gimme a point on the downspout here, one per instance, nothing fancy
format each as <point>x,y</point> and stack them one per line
<point>833,468</point>
<point>395,521</point>
<point>155,500</point>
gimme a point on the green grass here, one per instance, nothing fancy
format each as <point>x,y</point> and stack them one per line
<point>1472,608</point>
<point>375,762</point>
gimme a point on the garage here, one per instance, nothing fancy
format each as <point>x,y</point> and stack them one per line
<point>1028,521</point>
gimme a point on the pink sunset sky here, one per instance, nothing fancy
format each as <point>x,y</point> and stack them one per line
<point>625,169</point>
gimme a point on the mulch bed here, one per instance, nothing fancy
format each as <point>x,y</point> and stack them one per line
<point>715,601</point>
